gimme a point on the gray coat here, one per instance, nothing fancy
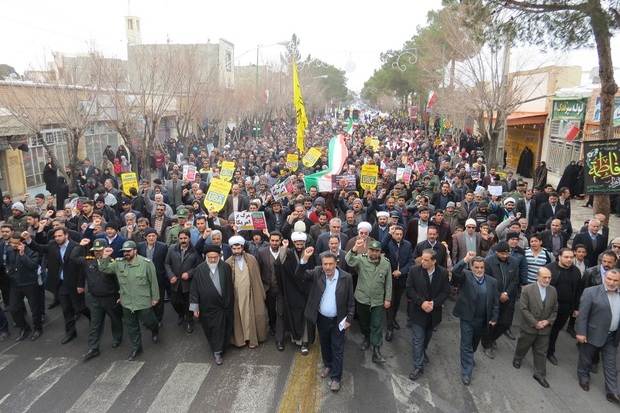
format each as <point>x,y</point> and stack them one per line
<point>594,317</point>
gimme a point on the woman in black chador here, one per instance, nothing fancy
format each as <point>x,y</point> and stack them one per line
<point>540,176</point>
<point>526,161</point>
<point>569,178</point>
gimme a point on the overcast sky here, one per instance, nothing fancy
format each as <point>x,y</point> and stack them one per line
<point>348,35</point>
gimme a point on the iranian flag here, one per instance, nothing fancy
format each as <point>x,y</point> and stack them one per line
<point>337,156</point>
<point>432,96</point>
<point>349,129</point>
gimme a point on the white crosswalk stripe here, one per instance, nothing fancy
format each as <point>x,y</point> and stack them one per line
<point>5,360</point>
<point>107,387</point>
<point>180,388</point>
<point>256,390</point>
<point>26,393</point>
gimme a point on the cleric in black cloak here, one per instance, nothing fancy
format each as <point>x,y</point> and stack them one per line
<point>579,182</point>
<point>569,178</point>
<point>526,160</point>
<point>212,299</point>
<point>540,176</point>
<point>295,293</point>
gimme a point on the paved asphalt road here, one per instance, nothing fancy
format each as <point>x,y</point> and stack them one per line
<point>178,375</point>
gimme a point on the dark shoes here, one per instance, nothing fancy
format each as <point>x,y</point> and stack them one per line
<point>68,337</point>
<point>489,353</point>
<point>571,331</point>
<point>218,359</point>
<point>466,380</point>
<point>516,363</point>
<point>509,334</point>
<point>36,334</point>
<point>53,304</point>
<point>92,353</point>
<point>584,385</point>
<point>426,359</point>
<point>272,332</point>
<point>614,398</point>
<point>542,381</point>
<point>416,374</point>
<point>365,343</point>
<point>189,328</point>
<point>155,336</point>
<point>23,334</point>
<point>180,320</point>
<point>116,343</point>
<point>552,359</point>
<point>389,335</point>
<point>408,322</point>
<point>134,354</point>
<point>304,349</point>
<point>376,355</point>
<point>280,345</point>
<point>396,325</point>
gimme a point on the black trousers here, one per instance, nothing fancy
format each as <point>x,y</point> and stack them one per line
<point>275,311</point>
<point>31,292</point>
<point>180,303</point>
<point>397,293</point>
<point>159,307</point>
<point>71,303</point>
<point>557,326</point>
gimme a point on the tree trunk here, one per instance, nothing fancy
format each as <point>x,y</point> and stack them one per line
<point>609,88</point>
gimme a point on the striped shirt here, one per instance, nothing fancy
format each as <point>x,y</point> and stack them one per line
<point>534,263</point>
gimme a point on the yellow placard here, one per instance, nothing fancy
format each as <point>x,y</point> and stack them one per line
<point>367,141</point>
<point>217,194</point>
<point>369,176</point>
<point>311,157</point>
<point>228,170</point>
<point>292,161</point>
<point>374,143</point>
<point>129,180</point>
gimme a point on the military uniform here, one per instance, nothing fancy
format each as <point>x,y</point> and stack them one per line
<point>138,289</point>
<point>103,296</point>
<point>374,286</point>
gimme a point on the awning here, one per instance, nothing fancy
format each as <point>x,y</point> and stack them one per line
<point>526,118</point>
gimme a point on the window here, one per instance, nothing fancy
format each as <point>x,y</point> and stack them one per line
<point>130,24</point>
<point>228,61</point>
<point>34,159</point>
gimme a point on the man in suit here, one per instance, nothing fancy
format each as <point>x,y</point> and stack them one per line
<point>156,251</point>
<point>477,307</point>
<point>510,182</point>
<point>237,203</point>
<point>527,207</point>
<point>548,210</point>
<point>432,243</point>
<point>468,240</point>
<point>554,239</point>
<point>327,306</point>
<point>87,169</point>
<point>175,190</point>
<point>539,308</point>
<point>427,288</point>
<point>64,277</point>
<point>603,229</point>
<point>335,226</point>
<point>505,269</point>
<point>598,309</point>
<point>594,242</point>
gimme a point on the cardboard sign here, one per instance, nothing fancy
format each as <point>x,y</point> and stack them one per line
<point>407,174</point>
<point>311,157</point>
<point>227,171</point>
<point>189,172</point>
<point>129,180</point>
<point>249,221</point>
<point>292,161</point>
<point>217,194</point>
<point>348,182</point>
<point>282,190</point>
<point>369,176</point>
<point>496,190</point>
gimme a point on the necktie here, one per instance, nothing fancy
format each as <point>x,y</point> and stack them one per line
<point>594,243</point>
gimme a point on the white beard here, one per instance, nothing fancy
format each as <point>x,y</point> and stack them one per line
<point>212,267</point>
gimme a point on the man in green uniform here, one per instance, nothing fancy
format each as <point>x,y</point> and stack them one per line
<point>373,293</point>
<point>103,296</point>
<point>139,292</point>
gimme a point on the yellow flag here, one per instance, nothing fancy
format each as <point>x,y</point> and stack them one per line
<point>300,109</point>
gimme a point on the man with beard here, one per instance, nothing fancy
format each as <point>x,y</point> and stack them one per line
<point>295,292</point>
<point>212,299</point>
<point>139,292</point>
<point>250,319</point>
<point>181,258</point>
<point>381,227</point>
<point>156,251</point>
<point>267,258</point>
<point>434,244</point>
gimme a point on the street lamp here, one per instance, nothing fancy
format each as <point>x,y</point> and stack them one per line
<point>258,47</point>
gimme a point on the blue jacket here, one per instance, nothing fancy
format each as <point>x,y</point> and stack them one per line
<point>116,244</point>
<point>22,270</point>
<point>404,254</point>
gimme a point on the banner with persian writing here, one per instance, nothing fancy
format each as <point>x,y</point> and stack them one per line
<point>602,167</point>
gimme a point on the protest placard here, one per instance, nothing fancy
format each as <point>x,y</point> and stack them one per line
<point>228,170</point>
<point>369,175</point>
<point>249,221</point>
<point>217,194</point>
<point>129,180</point>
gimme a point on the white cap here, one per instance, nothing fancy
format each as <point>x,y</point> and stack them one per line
<point>299,226</point>
<point>383,214</point>
<point>510,199</point>
<point>470,221</point>
<point>236,240</point>
<point>364,225</point>
<point>298,236</point>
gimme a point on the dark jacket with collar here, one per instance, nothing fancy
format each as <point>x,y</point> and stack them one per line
<point>507,280</point>
<point>465,306</point>
<point>99,283</point>
<point>22,269</point>
<point>345,303</point>
<point>401,257</point>
<point>175,266</point>
<point>73,276</point>
<point>420,289</point>
<point>159,258</point>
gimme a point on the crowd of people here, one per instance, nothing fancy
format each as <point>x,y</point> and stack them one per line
<point>451,226</point>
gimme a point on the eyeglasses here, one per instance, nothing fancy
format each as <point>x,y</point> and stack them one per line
<point>470,226</point>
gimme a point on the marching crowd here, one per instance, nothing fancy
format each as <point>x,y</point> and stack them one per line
<point>449,226</point>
